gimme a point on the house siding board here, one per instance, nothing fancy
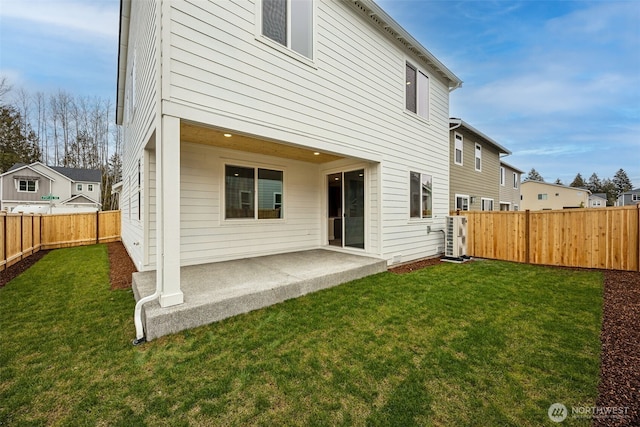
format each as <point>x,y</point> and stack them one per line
<point>139,126</point>
<point>10,193</point>
<point>350,103</point>
<point>508,194</point>
<point>205,234</point>
<point>464,179</point>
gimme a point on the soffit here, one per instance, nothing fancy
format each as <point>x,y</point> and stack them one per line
<point>213,137</point>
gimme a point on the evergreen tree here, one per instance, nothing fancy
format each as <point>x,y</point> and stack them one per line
<point>558,181</point>
<point>18,142</point>
<point>609,188</point>
<point>621,182</point>
<point>594,184</point>
<point>578,182</point>
<point>533,175</point>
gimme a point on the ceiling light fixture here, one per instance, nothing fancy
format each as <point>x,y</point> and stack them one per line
<point>227,135</point>
<point>316,154</point>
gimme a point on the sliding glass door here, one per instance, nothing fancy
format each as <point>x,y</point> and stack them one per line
<point>346,209</point>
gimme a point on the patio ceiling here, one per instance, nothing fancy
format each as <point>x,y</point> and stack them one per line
<point>203,135</point>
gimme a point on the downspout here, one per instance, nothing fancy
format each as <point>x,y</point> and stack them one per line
<point>137,314</point>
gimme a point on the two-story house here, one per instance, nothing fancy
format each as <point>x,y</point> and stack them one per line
<point>263,127</point>
<point>50,189</point>
<point>474,168</point>
<point>627,198</point>
<point>538,196</point>
<point>509,187</point>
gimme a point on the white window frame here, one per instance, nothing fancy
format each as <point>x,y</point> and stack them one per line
<point>543,196</point>
<point>256,209</point>
<point>516,180</point>
<point>484,200</point>
<point>502,176</point>
<point>458,148</point>
<point>420,195</point>
<point>36,186</point>
<point>89,187</point>
<point>78,187</point>
<point>477,157</point>
<point>287,49</point>
<point>635,197</point>
<point>463,197</point>
<point>423,91</point>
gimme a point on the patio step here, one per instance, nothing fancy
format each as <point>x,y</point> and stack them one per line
<point>216,291</point>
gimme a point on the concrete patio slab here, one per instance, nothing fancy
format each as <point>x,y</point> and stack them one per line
<point>215,291</point>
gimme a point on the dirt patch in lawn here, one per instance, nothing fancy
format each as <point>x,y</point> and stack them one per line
<point>122,267</point>
<point>620,357</point>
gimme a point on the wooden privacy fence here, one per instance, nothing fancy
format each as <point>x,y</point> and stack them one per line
<point>606,238</point>
<point>22,235</point>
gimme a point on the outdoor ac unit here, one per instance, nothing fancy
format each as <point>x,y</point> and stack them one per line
<point>456,237</point>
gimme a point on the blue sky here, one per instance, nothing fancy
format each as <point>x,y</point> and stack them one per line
<point>556,82</point>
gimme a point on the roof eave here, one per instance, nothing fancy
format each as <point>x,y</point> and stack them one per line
<point>123,47</point>
<point>459,122</point>
<point>389,25</point>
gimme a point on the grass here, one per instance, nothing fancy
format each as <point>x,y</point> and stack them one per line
<point>483,343</point>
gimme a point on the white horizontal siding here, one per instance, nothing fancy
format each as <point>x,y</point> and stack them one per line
<point>351,101</point>
<point>207,237</point>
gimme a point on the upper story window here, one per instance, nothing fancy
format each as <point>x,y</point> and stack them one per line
<point>542,196</point>
<point>501,175</point>
<point>27,185</point>
<point>478,157</point>
<point>417,91</point>
<point>79,187</point>
<point>421,195</point>
<point>635,197</point>
<point>89,187</point>
<point>516,180</point>
<point>459,141</point>
<point>289,23</point>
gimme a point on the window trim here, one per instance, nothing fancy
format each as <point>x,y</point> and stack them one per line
<point>477,156</point>
<point>420,198</point>
<point>256,168</point>
<point>482,201</point>
<point>419,71</point>
<point>516,181</point>
<point>78,187</point>
<point>462,196</point>
<point>502,176</point>
<point>89,187</point>
<point>26,185</point>
<point>311,62</point>
<point>455,148</point>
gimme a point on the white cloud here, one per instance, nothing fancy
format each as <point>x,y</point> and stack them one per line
<point>98,17</point>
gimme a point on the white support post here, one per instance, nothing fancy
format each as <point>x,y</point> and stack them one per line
<point>168,195</point>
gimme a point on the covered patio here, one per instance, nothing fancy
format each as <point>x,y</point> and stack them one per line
<point>216,291</point>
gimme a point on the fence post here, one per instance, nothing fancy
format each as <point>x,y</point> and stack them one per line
<point>21,235</point>
<point>527,236</point>
<point>4,238</point>
<point>97,227</point>
<point>638,241</point>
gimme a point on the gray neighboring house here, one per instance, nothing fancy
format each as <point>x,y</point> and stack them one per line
<point>474,168</point>
<point>598,200</point>
<point>38,188</point>
<point>509,187</point>
<point>629,198</point>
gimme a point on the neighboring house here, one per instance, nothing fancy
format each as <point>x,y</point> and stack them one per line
<point>598,200</point>
<point>54,189</point>
<point>629,198</point>
<point>509,187</point>
<point>253,129</point>
<point>537,196</point>
<point>474,168</point>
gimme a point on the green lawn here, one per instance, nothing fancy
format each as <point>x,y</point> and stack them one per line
<point>484,343</point>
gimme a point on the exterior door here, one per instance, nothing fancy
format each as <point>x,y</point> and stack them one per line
<point>346,209</point>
